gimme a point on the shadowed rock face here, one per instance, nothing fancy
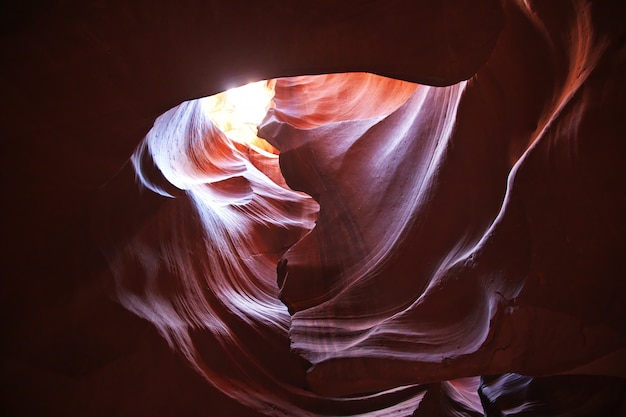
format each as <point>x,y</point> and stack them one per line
<point>454,244</point>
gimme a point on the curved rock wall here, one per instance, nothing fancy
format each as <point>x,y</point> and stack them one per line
<point>466,258</point>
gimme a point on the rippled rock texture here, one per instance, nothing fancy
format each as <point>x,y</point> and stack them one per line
<point>446,237</point>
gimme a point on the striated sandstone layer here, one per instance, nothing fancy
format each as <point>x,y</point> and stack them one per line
<point>442,232</point>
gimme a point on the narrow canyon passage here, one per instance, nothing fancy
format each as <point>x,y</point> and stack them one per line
<point>428,220</point>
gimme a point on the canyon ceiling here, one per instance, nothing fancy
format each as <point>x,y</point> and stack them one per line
<point>435,226</point>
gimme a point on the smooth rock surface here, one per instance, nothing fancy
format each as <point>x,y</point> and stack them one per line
<point>455,245</point>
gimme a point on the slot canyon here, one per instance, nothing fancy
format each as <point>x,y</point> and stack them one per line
<point>427,218</point>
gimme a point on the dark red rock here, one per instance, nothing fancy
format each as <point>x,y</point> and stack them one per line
<point>473,228</point>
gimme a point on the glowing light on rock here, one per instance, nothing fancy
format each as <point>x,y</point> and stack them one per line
<point>238,111</point>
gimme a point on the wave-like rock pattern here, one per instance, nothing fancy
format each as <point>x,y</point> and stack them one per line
<point>461,232</point>
<point>428,258</point>
<point>203,269</point>
<point>524,196</point>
